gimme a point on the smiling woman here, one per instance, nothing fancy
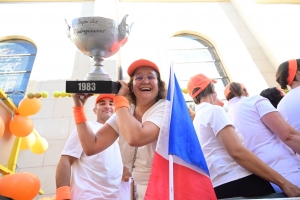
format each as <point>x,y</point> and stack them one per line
<point>136,122</point>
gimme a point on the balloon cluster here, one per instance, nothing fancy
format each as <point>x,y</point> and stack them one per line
<point>37,95</point>
<point>34,142</point>
<point>62,94</point>
<point>45,94</point>
<point>21,126</point>
<point>20,186</point>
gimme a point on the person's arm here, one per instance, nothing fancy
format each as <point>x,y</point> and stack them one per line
<point>136,133</point>
<point>95,143</point>
<point>252,163</point>
<point>63,172</point>
<point>275,122</point>
<point>126,174</point>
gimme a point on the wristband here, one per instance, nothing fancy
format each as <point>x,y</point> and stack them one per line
<point>79,114</point>
<point>120,101</point>
<point>63,192</point>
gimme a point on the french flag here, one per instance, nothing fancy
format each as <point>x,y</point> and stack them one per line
<point>179,170</point>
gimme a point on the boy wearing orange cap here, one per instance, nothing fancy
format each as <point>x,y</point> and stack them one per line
<point>79,176</point>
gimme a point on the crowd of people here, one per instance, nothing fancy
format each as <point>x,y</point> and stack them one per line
<point>252,150</point>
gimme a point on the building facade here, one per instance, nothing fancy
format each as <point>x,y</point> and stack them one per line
<point>250,39</point>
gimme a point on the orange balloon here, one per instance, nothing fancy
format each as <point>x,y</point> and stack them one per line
<point>20,126</point>
<point>2,127</point>
<point>29,107</point>
<point>20,186</point>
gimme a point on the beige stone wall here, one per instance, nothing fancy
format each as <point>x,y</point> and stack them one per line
<point>274,27</point>
<point>248,44</point>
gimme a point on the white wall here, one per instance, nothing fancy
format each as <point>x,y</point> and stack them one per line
<point>275,26</point>
<point>218,22</point>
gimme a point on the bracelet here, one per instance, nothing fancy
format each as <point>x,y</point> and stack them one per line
<point>120,101</point>
<point>63,192</point>
<point>79,114</point>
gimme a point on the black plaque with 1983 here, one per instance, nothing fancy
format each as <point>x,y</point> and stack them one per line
<point>93,87</point>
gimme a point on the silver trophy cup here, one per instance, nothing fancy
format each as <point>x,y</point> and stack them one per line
<point>99,38</point>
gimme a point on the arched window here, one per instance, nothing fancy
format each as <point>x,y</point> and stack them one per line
<point>192,55</point>
<point>16,61</point>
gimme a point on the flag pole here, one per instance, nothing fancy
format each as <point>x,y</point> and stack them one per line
<point>171,181</point>
<point>171,174</point>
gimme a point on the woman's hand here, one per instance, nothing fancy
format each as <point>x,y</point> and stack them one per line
<point>124,89</point>
<point>126,174</point>
<point>80,99</point>
<point>290,189</point>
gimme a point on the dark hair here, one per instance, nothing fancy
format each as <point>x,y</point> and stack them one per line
<point>208,90</point>
<point>273,94</point>
<point>162,91</point>
<point>236,90</point>
<point>283,72</point>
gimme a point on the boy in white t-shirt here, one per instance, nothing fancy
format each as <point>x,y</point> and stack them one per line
<point>79,176</point>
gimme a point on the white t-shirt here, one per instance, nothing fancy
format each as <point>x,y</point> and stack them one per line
<point>246,114</point>
<point>145,154</point>
<point>208,122</point>
<point>98,176</point>
<point>289,108</point>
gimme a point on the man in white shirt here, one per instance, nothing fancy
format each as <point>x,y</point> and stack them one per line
<point>82,177</point>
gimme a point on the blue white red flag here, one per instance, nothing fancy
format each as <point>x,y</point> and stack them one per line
<point>178,138</point>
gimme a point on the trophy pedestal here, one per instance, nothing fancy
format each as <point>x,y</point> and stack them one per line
<point>93,87</point>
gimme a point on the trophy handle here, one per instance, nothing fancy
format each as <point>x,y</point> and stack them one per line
<point>68,28</point>
<point>123,28</point>
<point>129,28</point>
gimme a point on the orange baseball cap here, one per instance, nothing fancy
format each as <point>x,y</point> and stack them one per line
<point>198,81</point>
<point>101,96</point>
<point>141,63</point>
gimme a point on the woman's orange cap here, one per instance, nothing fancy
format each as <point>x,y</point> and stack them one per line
<point>101,96</point>
<point>198,81</point>
<point>141,63</point>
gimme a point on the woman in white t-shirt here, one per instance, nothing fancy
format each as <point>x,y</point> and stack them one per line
<point>137,125</point>
<point>264,131</point>
<point>288,74</point>
<point>230,164</point>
